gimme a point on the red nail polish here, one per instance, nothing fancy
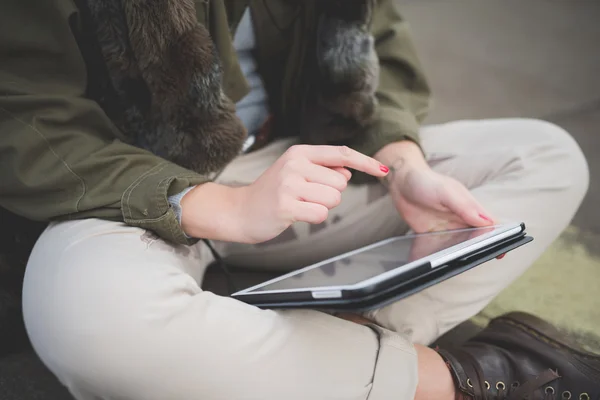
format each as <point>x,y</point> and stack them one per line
<point>482,216</point>
<point>500,257</point>
<point>385,169</point>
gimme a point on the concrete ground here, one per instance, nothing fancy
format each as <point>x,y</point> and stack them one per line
<point>534,58</point>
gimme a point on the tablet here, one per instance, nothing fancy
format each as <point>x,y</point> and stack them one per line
<point>385,271</point>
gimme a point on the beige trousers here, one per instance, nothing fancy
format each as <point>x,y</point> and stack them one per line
<point>116,313</point>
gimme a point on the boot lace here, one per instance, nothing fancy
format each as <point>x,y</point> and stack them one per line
<point>482,388</point>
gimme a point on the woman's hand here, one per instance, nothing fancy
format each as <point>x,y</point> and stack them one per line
<point>426,200</point>
<point>429,201</point>
<point>302,185</point>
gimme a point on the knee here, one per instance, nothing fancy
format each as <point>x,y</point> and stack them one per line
<point>561,154</point>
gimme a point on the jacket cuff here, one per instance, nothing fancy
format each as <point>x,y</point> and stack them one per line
<point>145,203</point>
<point>392,125</point>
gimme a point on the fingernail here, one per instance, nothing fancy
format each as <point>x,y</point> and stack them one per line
<point>500,257</point>
<point>482,216</point>
<point>384,169</point>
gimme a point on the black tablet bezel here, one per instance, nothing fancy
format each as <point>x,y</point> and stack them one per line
<point>394,289</point>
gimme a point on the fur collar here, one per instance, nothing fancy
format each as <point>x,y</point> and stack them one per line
<point>166,75</point>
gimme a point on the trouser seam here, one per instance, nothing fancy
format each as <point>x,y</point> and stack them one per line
<point>380,343</point>
<point>383,343</point>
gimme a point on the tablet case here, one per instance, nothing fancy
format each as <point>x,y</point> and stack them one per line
<point>381,297</point>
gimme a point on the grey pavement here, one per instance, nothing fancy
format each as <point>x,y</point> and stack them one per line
<point>492,58</point>
<point>584,124</point>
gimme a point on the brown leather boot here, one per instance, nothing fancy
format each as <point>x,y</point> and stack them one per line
<point>519,356</point>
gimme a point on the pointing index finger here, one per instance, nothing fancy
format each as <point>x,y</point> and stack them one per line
<point>343,156</point>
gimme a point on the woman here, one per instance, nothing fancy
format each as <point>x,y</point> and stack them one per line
<point>118,124</point>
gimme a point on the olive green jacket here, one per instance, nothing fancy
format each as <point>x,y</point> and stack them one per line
<point>62,158</point>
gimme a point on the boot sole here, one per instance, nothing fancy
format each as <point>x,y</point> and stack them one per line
<point>541,329</point>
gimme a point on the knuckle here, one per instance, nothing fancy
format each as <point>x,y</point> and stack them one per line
<point>281,205</point>
<point>287,182</point>
<point>345,151</point>
<point>295,151</point>
<point>291,165</point>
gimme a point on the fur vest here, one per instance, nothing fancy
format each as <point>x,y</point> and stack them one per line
<point>165,77</point>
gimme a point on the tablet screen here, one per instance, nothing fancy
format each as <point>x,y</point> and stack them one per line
<point>360,266</point>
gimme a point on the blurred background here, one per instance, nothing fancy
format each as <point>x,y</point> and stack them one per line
<point>492,58</point>
<point>534,58</point>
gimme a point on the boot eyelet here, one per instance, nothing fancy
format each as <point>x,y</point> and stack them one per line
<point>501,385</point>
<point>487,385</point>
<point>549,390</point>
<point>566,395</point>
<point>469,384</point>
<point>584,396</point>
<point>515,385</point>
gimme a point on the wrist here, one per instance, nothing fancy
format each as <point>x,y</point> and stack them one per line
<point>402,158</point>
<point>212,211</point>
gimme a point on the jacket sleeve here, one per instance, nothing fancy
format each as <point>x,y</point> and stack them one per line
<point>403,93</point>
<point>59,153</point>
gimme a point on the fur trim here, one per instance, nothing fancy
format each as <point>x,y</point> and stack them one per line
<point>344,102</point>
<point>167,76</point>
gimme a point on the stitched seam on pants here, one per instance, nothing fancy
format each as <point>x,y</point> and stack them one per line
<point>376,361</point>
<point>383,338</point>
<point>402,349</point>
